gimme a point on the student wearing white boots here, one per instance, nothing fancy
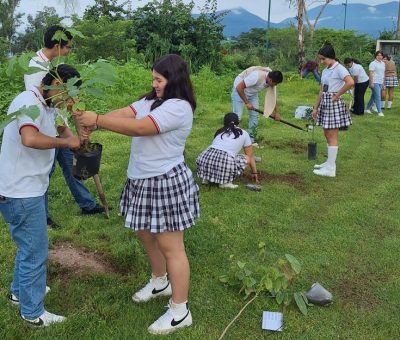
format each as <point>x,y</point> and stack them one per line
<point>391,81</point>
<point>330,110</point>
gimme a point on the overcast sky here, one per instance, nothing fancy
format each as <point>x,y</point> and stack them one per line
<point>279,8</point>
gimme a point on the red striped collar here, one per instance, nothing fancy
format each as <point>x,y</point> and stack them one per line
<point>42,56</point>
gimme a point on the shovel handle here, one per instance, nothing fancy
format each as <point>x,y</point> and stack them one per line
<point>282,121</point>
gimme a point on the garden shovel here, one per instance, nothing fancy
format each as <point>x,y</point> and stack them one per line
<point>100,190</point>
<point>282,121</point>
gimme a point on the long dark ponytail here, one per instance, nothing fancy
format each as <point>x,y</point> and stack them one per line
<point>231,122</point>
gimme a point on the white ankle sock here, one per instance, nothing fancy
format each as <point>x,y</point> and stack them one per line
<point>389,105</point>
<point>178,309</point>
<point>160,281</point>
<point>332,154</point>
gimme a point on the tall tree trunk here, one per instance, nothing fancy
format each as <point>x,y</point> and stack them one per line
<point>300,27</point>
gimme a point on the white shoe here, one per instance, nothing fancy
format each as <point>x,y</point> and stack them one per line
<point>15,300</point>
<point>373,108</point>
<point>205,181</point>
<point>380,114</point>
<point>228,186</point>
<point>326,171</point>
<point>169,322</point>
<point>257,159</point>
<point>158,286</point>
<point>368,111</point>
<point>320,166</point>
<point>46,319</point>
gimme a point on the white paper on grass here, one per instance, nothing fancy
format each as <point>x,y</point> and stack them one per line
<point>272,321</point>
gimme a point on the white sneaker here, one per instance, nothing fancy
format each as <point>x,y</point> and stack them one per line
<point>380,114</point>
<point>169,322</point>
<point>158,286</point>
<point>15,300</point>
<point>320,166</point>
<point>368,111</point>
<point>228,186</point>
<point>46,319</point>
<point>326,171</point>
<point>374,108</point>
<point>205,181</point>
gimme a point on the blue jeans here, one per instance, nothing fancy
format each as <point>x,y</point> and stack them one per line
<point>375,97</point>
<point>238,106</point>
<point>81,194</point>
<point>26,218</point>
<point>314,72</point>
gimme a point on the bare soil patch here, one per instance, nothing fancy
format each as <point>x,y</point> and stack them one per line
<point>297,146</point>
<point>78,260</point>
<point>291,178</point>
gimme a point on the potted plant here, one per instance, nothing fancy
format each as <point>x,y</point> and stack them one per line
<point>310,125</point>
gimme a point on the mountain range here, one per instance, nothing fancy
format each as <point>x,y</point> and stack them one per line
<point>361,18</point>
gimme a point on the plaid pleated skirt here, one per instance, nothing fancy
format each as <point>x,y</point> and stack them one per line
<point>391,81</point>
<point>332,115</point>
<point>217,166</point>
<point>169,202</point>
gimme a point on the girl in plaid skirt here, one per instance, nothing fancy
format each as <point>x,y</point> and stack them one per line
<point>160,198</point>
<point>330,110</point>
<point>220,162</point>
<point>391,81</point>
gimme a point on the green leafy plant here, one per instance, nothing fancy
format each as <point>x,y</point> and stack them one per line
<point>274,281</point>
<point>93,78</point>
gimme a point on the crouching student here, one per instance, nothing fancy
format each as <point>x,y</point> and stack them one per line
<point>26,158</point>
<point>220,163</point>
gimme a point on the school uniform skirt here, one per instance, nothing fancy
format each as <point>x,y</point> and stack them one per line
<point>169,202</point>
<point>217,166</point>
<point>391,81</point>
<point>332,115</point>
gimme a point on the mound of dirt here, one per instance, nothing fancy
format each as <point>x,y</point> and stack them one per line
<point>79,261</point>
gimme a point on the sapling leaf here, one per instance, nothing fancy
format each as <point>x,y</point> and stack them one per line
<point>294,263</point>
<point>54,87</point>
<point>71,82</point>
<point>224,278</point>
<point>79,106</point>
<point>31,111</point>
<point>298,297</point>
<point>60,35</point>
<point>279,297</point>
<point>261,245</point>
<point>266,283</point>
<point>287,299</point>
<point>73,92</point>
<point>75,33</point>
<point>11,65</point>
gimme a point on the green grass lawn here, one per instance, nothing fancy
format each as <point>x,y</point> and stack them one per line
<point>345,231</point>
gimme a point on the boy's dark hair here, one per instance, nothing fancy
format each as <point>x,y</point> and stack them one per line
<point>49,42</point>
<point>349,60</point>
<point>62,71</point>
<point>276,77</point>
<point>175,70</point>
<point>231,120</point>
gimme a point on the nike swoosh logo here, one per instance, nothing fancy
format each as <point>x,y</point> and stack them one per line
<point>156,291</point>
<point>176,323</point>
<point>36,322</point>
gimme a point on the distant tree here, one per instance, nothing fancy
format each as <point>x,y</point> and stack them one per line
<point>9,20</point>
<point>32,39</point>
<point>106,8</point>
<point>312,25</point>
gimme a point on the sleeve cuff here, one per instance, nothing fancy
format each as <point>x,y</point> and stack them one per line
<point>155,123</point>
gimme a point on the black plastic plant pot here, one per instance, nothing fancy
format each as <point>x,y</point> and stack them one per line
<point>87,161</point>
<point>312,150</point>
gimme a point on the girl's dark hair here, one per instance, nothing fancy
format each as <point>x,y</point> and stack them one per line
<point>327,51</point>
<point>387,56</point>
<point>179,85</point>
<point>63,72</point>
<point>378,52</point>
<point>49,34</point>
<point>351,60</point>
<point>231,120</point>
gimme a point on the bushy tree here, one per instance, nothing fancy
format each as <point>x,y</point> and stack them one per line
<point>32,39</point>
<point>106,8</point>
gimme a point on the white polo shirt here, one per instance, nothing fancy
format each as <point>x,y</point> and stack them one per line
<point>155,155</point>
<point>35,79</point>
<point>250,81</point>
<point>24,172</point>
<point>334,77</point>
<point>358,71</point>
<point>229,144</point>
<point>378,69</point>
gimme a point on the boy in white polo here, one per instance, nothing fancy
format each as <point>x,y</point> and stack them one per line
<point>26,158</point>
